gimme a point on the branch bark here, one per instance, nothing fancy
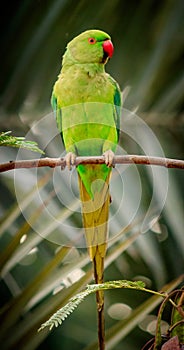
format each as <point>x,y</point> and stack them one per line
<point>125,159</point>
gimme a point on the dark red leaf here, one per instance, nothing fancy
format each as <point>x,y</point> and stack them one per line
<point>171,344</point>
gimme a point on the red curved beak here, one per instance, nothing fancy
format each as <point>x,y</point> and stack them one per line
<point>108,48</point>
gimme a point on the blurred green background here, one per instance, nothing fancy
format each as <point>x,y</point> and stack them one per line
<point>40,210</point>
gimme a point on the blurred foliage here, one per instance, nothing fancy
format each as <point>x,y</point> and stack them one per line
<point>43,261</point>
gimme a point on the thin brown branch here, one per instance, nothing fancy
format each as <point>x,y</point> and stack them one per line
<point>125,159</point>
<point>101,328</point>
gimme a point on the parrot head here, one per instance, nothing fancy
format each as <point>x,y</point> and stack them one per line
<point>91,46</point>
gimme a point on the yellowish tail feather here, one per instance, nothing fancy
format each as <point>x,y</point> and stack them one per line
<point>95,214</point>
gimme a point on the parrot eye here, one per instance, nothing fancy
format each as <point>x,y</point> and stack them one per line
<point>92,40</point>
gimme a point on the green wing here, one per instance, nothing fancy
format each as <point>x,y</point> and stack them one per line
<point>117,104</point>
<point>58,113</point>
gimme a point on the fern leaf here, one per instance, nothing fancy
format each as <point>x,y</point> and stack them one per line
<point>59,316</point>
<point>117,284</point>
<point>11,141</point>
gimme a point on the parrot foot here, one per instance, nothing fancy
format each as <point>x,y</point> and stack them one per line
<point>109,157</point>
<point>70,160</point>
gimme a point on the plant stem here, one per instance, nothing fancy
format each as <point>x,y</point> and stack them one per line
<point>101,326</point>
<point>100,303</point>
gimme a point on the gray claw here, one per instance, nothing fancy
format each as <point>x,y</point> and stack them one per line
<point>109,157</point>
<point>70,160</point>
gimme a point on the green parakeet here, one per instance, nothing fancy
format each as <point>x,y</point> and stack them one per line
<point>87,104</point>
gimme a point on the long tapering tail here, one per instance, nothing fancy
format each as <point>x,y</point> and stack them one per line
<point>95,212</point>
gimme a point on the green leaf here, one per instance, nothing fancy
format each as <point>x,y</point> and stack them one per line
<point>12,141</point>
<point>57,318</point>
